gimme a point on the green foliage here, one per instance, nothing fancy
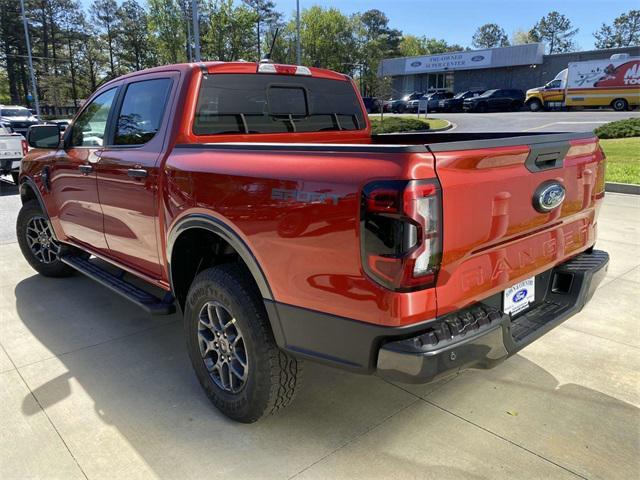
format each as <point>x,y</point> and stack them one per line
<point>619,129</point>
<point>623,159</point>
<point>625,31</point>
<point>521,37</point>
<point>490,35</point>
<point>556,30</point>
<point>411,46</point>
<point>167,21</point>
<point>397,124</point>
<point>229,33</point>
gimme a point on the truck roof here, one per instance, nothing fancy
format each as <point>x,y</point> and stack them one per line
<point>232,67</point>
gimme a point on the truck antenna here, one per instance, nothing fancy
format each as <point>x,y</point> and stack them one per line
<point>267,57</point>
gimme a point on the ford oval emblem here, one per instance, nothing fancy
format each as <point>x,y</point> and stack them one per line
<point>548,195</point>
<point>477,58</point>
<point>416,64</point>
<point>520,295</point>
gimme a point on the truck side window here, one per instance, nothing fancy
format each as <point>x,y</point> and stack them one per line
<point>141,113</point>
<point>89,128</point>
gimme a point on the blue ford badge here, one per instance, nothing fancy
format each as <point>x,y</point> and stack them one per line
<point>416,64</point>
<point>548,195</point>
<point>520,295</point>
<point>477,58</point>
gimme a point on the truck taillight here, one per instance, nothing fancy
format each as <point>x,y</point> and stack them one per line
<point>25,147</point>
<point>401,233</point>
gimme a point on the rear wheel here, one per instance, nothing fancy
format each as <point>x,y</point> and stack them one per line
<point>232,348</point>
<point>620,105</point>
<point>37,243</point>
<point>535,105</point>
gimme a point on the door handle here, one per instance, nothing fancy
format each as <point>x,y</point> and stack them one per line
<point>85,169</point>
<point>137,172</point>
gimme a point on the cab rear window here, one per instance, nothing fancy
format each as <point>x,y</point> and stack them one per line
<point>266,103</point>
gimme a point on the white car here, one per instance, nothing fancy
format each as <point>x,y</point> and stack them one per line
<point>13,147</point>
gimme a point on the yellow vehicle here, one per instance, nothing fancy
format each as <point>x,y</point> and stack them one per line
<point>613,82</point>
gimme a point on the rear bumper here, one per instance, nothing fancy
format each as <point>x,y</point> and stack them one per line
<point>482,336</point>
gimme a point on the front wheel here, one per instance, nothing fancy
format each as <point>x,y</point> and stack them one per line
<point>620,105</point>
<point>232,348</point>
<point>37,243</point>
<point>535,105</point>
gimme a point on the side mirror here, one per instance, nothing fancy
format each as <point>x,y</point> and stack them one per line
<point>43,136</point>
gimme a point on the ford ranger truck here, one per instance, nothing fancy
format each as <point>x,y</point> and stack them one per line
<point>253,199</point>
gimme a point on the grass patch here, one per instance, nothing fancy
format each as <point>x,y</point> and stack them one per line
<point>392,124</point>
<point>623,159</point>
<point>629,127</point>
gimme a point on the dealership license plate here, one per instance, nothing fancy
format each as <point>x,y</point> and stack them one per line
<point>517,299</point>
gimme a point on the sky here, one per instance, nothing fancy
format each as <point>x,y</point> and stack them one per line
<point>457,20</point>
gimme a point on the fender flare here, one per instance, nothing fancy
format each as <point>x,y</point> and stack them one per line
<point>217,227</point>
<point>28,182</point>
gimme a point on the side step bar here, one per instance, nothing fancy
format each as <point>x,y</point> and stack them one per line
<point>150,303</point>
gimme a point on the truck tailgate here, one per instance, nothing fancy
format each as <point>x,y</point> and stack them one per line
<point>495,231</point>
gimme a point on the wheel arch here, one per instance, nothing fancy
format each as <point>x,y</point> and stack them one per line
<point>201,231</point>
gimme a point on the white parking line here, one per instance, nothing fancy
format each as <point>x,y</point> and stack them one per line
<point>563,123</point>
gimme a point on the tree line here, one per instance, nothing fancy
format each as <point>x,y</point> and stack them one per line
<point>75,49</point>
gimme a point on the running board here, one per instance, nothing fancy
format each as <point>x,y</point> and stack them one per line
<point>150,303</point>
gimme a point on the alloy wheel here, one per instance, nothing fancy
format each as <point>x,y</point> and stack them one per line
<point>222,347</point>
<point>40,240</point>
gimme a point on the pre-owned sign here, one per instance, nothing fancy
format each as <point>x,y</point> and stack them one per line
<point>449,61</point>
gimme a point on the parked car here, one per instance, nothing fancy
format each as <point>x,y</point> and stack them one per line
<point>13,147</point>
<point>433,102</point>
<point>455,103</point>
<point>372,104</point>
<point>19,118</point>
<point>503,100</point>
<point>402,105</point>
<point>275,248</point>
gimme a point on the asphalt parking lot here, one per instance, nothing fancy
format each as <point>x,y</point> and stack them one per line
<point>574,121</point>
<point>91,387</point>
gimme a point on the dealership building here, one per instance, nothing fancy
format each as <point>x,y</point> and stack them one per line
<point>520,66</point>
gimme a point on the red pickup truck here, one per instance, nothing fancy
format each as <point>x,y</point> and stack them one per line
<point>252,198</point>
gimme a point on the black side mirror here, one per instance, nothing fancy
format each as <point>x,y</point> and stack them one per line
<point>43,136</point>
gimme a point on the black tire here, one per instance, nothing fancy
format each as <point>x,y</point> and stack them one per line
<point>401,108</point>
<point>481,108</point>
<point>620,105</point>
<point>535,105</point>
<point>44,258</point>
<point>272,376</point>
<point>15,176</point>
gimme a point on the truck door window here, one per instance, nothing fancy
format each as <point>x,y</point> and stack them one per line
<point>88,130</point>
<point>142,110</point>
<point>265,103</point>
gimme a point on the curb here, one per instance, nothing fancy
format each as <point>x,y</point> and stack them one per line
<point>442,129</point>
<point>628,188</point>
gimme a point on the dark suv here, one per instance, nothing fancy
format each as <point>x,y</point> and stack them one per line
<point>455,104</point>
<point>502,100</point>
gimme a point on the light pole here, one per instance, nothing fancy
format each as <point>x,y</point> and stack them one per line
<point>33,76</point>
<point>196,30</point>
<point>298,54</point>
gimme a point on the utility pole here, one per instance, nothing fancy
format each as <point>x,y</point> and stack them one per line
<point>33,76</point>
<point>196,30</point>
<point>298,56</point>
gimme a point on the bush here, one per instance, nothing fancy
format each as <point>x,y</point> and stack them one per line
<point>620,129</point>
<point>398,124</point>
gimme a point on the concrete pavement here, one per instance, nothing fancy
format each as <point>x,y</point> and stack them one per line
<point>91,387</point>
